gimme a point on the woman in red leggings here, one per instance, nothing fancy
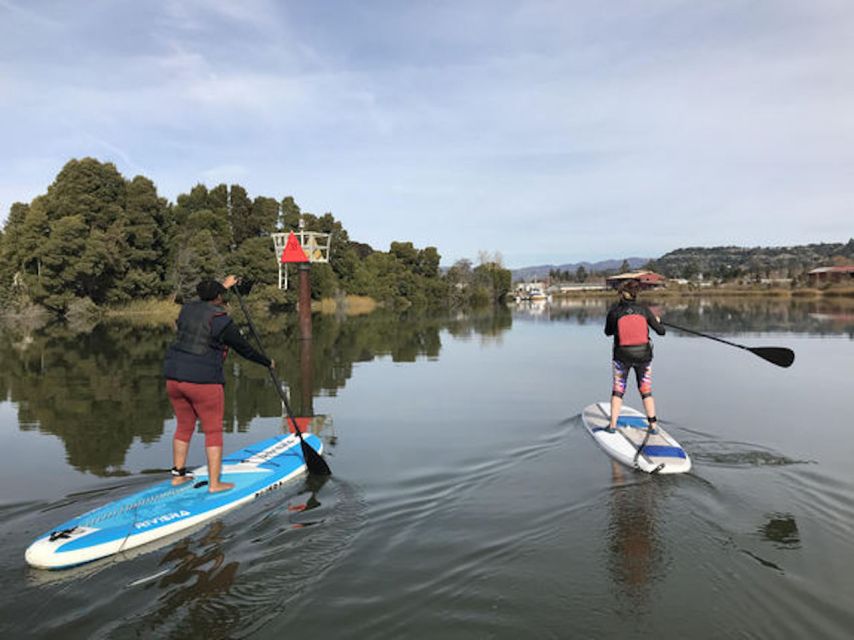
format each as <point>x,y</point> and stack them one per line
<point>195,379</point>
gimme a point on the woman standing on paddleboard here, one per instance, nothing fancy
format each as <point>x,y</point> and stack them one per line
<point>195,379</point>
<point>629,322</point>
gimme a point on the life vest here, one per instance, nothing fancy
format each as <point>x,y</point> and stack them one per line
<point>632,330</point>
<point>631,337</point>
<point>195,334</point>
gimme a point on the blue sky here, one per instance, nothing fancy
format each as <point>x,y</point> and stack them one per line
<point>550,132</point>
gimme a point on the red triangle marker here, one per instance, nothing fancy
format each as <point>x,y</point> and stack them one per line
<point>293,251</point>
<point>302,423</point>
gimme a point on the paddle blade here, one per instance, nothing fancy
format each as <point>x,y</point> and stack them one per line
<point>314,462</point>
<point>780,356</point>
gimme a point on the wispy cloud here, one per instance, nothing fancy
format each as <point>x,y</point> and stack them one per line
<point>24,12</point>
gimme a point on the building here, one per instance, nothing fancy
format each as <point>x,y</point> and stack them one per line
<point>647,279</point>
<point>827,275</point>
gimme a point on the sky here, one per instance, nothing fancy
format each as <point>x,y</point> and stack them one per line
<point>548,132</point>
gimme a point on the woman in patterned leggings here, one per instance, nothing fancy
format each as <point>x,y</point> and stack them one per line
<point>629,323</point>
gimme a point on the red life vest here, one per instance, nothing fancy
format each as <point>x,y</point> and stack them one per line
<point>632,330</point>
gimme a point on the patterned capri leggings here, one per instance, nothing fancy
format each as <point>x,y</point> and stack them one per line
<point>643,373</point>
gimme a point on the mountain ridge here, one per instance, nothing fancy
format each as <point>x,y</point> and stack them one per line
<point>537,272</point>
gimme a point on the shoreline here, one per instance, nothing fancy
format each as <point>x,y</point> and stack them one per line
<point>698,292</point>
<point>165,311</point>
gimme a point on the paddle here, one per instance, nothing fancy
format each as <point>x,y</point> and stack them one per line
<point>313,461</point>
<point>780,356</point>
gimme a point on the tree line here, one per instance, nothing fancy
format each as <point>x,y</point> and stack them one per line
<point>582,274</point>
<point>98,237</point>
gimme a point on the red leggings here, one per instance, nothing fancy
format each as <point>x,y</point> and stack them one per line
<point>192,401</point>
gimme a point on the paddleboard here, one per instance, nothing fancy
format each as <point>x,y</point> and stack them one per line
<point>164,510</point>
<point>660,454</point>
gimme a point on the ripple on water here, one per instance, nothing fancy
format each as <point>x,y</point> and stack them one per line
<point>226,579</point>
<point>722,453</point>
<point>463,543</point>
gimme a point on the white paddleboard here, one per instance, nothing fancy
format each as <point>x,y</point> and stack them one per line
<point>164,510</point>
<point>660,454</point>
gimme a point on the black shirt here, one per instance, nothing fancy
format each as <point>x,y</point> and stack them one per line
<point>634,353</point>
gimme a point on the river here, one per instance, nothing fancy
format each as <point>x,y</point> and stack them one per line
<point>467,499</point>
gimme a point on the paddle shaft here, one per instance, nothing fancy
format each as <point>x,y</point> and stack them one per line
<point>704,335</point>
<point>311,457</point>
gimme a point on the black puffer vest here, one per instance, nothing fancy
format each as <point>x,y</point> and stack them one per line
<point>197,355</point>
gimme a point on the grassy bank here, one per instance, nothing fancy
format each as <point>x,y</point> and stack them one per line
<point>151,311</point>
<point>156,311</point>
<point>349,305</point>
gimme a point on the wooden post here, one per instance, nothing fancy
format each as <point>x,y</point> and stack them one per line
<point>306,374</point>
<point>304,307</point>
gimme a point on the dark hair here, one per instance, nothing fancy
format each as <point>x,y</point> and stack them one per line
<point>209,289</point>
<point>629,289</point>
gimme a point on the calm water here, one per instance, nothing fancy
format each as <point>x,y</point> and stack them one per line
<point>467,500</point>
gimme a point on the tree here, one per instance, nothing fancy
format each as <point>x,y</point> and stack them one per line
<point>406,253</point>
<point>265,216</point>
<point>289,214</point>
<point>255,260</point>
<point>428,262</point>
<point>581,274</point>
<point>196,260</point>
<point>240,215</point>
<point>147,229</point>
<point>87,188</point>
<point>60,275</point>
<point>11,255</point>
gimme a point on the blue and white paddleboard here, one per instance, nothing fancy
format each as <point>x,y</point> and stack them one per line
<point>163,510</point>
<point>660,454</point>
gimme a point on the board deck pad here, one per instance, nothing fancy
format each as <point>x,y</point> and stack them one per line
<point>660,454</point>
<point>162,509</point>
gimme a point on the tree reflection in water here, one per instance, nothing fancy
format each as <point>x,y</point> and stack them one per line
<point>101,388</point>
<point>748,314</point>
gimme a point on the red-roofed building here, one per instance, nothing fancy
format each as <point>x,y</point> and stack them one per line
<point>824,275</point>
<point>647,279</point>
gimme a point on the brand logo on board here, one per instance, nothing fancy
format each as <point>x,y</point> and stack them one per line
<point>166,517</point>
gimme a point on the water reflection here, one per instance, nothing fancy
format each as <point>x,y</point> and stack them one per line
<point>635,545</point>
<point>100,388</point>
<point>782,530</point>
<point>817,316</point>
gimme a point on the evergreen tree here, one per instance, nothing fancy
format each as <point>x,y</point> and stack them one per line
<point>289,214</point>
<point>11,249</point>
<point>88,188</point>
<point>265,216</point>
<point>196,260</point>
<point>240,215</point>
<point>147,230</point>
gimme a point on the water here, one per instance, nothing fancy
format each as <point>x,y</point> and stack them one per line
<point>467,500</point>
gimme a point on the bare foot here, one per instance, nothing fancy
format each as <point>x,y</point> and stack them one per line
<point>179,480</point>
<point>220,486</point>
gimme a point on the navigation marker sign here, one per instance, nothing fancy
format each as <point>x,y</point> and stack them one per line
<point>293,251</point>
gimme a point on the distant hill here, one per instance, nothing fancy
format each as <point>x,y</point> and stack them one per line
<point>733,262</point>
<point>717,262</point>
<point>541,271</point>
